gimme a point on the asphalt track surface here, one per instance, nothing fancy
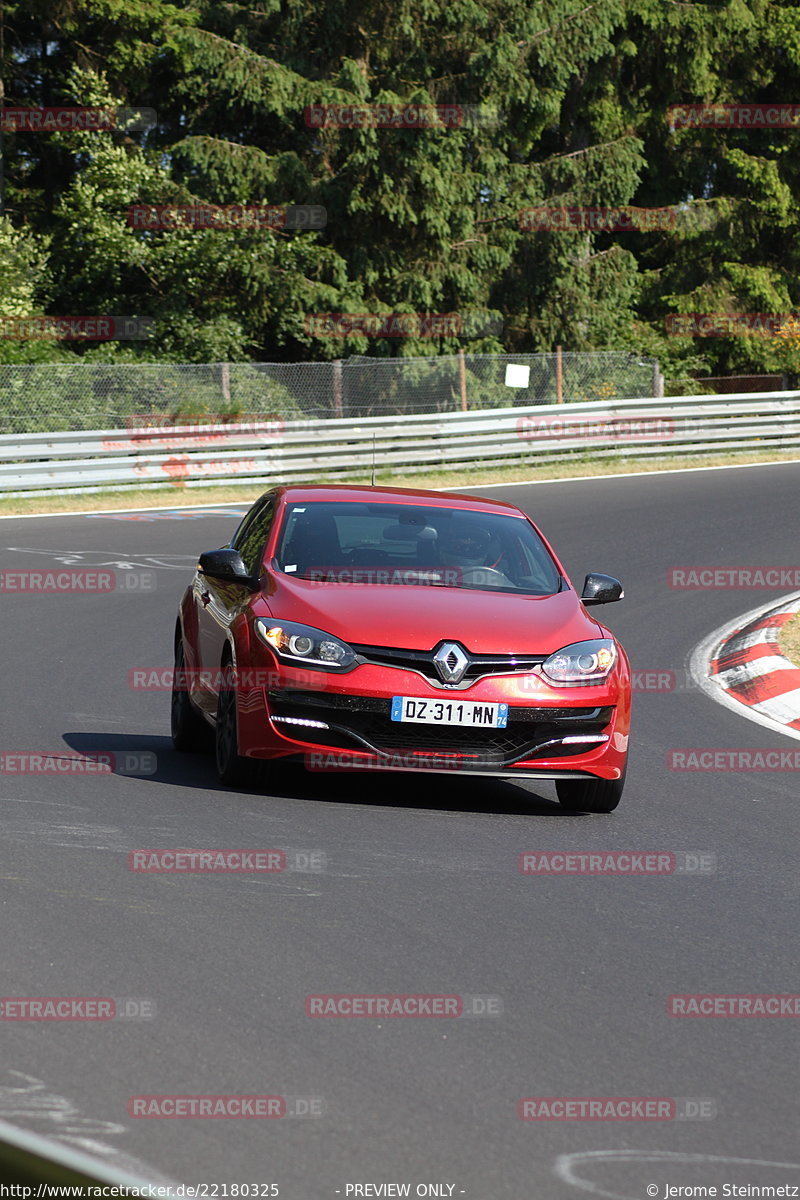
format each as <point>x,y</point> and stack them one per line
<point>421,894</point>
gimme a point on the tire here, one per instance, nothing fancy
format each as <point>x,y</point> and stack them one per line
<point>190,734</point>
<point>592,796</point>
<point>232,769</point>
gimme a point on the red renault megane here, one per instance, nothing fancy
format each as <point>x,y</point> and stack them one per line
<point>368,627</point>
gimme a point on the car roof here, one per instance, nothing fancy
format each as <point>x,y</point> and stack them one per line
<point>301,493</point>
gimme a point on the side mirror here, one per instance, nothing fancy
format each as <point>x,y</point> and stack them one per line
<point>601,589</point>
<point>226,566</point>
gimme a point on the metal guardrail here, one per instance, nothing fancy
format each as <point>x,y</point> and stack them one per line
<point>332,449</point>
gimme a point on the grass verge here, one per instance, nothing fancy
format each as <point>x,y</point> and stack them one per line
<point>789,640</point>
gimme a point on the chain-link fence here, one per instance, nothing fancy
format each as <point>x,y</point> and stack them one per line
<point>56,396</point>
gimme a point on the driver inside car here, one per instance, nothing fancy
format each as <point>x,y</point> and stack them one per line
<point>470,548</point>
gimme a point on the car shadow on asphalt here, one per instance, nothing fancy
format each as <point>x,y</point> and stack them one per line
<point>150,758</point>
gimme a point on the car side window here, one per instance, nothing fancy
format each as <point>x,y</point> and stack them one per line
<point>251,537</point>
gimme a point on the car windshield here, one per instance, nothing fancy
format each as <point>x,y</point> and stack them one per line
<point>402,544</point>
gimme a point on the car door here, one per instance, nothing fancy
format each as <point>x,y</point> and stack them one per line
<point>218,603</point>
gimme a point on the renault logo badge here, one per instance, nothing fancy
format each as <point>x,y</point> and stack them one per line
<point>451,662</point>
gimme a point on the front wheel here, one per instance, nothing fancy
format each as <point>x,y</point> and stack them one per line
<point>189,731</point>
<point>591,795</point>
<point>232,769</point>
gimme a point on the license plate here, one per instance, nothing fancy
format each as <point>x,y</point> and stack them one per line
<point>449,712</point>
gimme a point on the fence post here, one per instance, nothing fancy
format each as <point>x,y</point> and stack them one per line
<point>462,379</point>
<point>658,381</point>
<point>337,387</point>
<point>559,377</point>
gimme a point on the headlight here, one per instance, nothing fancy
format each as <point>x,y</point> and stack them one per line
<point>301,643</point>
<point>582,662</point>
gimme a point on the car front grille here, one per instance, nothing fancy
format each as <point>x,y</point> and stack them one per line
<point>364,723</point>
<point>479,665</point>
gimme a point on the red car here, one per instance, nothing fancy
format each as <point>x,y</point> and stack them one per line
<point>389,629</point>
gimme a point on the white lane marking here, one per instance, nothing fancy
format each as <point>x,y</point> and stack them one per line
<point>107,512</point>
<point>91,512</point>
<point>784,462</point>
<point>566,1164</point>
<point>30,1099</point>
<point>46,803</point>
<point>75,837</point>
<point>70,558</point>
<point>701,656</point>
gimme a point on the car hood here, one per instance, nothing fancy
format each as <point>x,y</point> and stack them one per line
<point>418,617</point>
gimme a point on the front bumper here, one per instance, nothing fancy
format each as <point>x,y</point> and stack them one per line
<point>343,722</point>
